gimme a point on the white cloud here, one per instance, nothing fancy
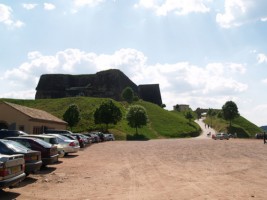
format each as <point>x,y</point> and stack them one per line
<point>239,12</point>
<point>181,7</point>
<point>29,6</point>
<point>180,82</point>
<point>264,81</point>
<point>262,58</point>
<point>257,110</point>
<point>91,3</point>
<point>49,6</point>
<point>7,18</point>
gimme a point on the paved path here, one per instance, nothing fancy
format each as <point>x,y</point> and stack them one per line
<point>205,129</point>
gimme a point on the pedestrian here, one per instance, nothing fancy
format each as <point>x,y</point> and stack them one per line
<point>264,138</point>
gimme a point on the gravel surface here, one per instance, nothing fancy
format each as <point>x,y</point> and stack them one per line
<point>156,169</point>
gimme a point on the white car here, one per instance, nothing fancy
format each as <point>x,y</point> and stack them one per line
<point>11,170</point>
<point>68,145</point>
<point>51,140</point>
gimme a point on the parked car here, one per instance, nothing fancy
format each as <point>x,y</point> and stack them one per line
<point>11,170</point>
<point>101,136</point>
<point>95,137</point>
<point>49,153</point>
<point>87,140</point>
<point>80,140</point>
<point>10,133</point>
<point>109,137</point>
<point>68,145</point>
<point>32,158</point>
<point>220,136</point>
<point>260,135</point>
<point>50,139</point>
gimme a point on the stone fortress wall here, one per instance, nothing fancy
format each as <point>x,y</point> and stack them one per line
<point>104,84</point>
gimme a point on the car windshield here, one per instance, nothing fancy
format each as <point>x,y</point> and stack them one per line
<point>62,137</point>
<point>53,141</point>
<point>43,143</point>
<point>70,137</point>
<point>16,146</point>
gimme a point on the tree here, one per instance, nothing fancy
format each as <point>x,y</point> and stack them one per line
<point>107,113</point>
<point>198,112</point>
<point>230,111</point>
<point>177,107</point>
<point>136,117</point>
<point>128,94</point>
<point>211,113</point>
<point>72,115</point>
<point>189,116</point>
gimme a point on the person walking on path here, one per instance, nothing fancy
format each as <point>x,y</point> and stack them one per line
<point>205,131</point>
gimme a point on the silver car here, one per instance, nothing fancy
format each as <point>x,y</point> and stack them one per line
<point>51,140</point>
<point>221,136</point>
<point>68,145</point>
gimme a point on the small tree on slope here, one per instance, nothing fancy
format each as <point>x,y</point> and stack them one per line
<point>136,117</point>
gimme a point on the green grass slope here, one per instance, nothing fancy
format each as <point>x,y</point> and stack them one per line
<point>240,125</point>
<point>162,123</point>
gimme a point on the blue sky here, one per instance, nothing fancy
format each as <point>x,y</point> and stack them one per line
<point>201,52</point>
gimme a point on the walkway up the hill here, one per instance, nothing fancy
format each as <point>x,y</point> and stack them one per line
<point>205,129</point>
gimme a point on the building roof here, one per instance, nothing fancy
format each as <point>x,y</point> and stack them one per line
<point>35,113</point>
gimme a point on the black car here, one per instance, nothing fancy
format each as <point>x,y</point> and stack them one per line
<point>10,133</point>
<point>32,158</point>
<point>49,152</point>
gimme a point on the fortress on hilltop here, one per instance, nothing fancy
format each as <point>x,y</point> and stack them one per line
<point>105,84</point>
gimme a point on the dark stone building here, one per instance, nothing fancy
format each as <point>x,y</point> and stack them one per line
<point>105,84</point>
<point>150,92</point>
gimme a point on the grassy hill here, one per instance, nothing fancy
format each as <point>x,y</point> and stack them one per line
<point>240,125</point>
<point>162,123</point>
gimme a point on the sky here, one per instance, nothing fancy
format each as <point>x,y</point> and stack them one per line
<point>202,52</point>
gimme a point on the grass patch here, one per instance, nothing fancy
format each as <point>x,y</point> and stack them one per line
<point>240,125</point>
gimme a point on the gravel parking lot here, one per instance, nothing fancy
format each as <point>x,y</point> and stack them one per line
<point>156,169</point>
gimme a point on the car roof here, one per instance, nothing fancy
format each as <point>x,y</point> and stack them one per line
<point>42,136</point>
<point>25,138</point>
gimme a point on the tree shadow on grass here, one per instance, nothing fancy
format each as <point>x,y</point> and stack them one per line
<point>136,137</point>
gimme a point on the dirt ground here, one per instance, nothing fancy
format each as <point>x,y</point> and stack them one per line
<point>156,169</point>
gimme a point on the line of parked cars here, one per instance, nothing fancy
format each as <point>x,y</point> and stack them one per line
<point>22,154</point>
